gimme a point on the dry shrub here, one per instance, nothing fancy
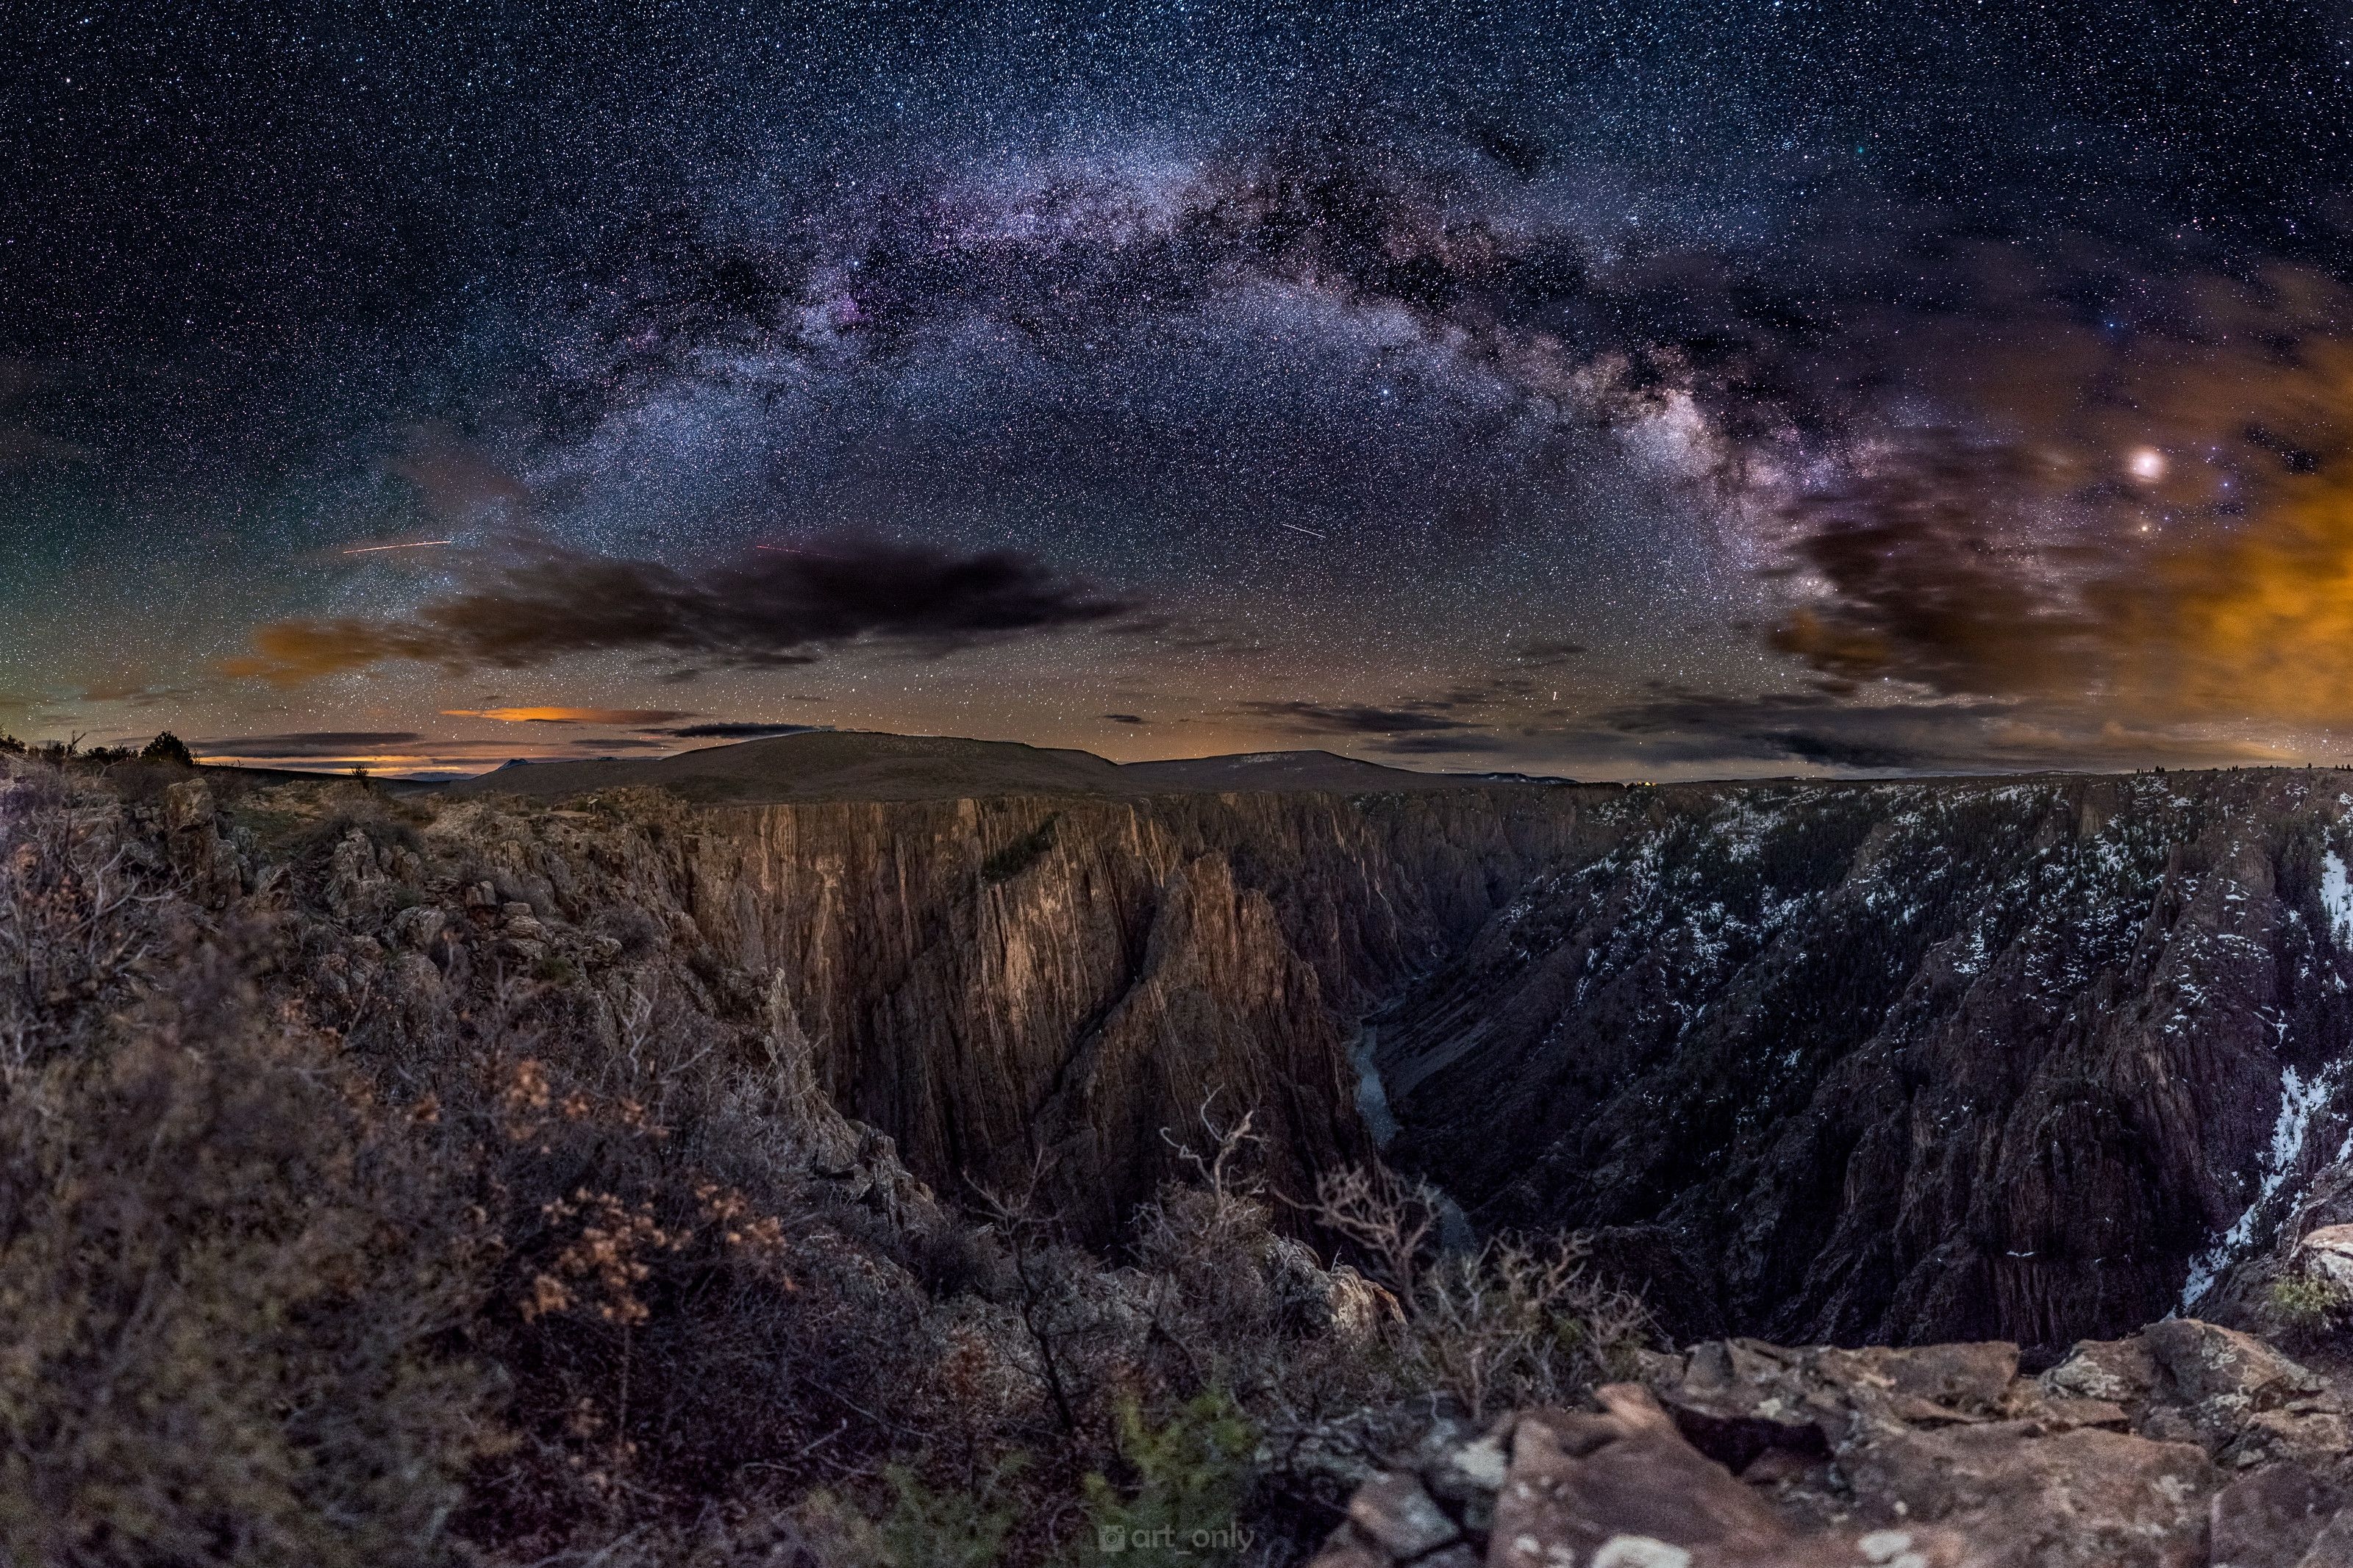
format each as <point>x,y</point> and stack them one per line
<point>683,1321</point>
<point>231,1292</point>
<point>80,915</point>
<point>1511,1322</point>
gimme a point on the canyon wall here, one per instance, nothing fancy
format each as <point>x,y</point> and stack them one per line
<point>992,981</point>
<point>1910,1062</point>
<point>2027,1060</point>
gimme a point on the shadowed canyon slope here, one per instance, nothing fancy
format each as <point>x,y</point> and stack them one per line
<point>1848,1062</point>
<point>1910,1062</point>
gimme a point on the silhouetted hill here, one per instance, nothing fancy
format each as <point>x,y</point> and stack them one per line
<point>835,764</point>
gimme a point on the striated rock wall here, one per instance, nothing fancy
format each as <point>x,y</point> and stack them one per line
<point>992,980</point>
<point>1906,1062</point>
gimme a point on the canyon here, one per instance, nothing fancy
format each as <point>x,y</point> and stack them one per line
<point>833,1109</point>
<point>1839,1062</point>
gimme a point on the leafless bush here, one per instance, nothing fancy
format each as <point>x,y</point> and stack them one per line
<point>1513,1321</point>
<point>80,912</point>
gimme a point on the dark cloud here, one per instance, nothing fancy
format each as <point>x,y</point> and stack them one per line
<point>737,731</point>
<point>1925,579</point>
<point>1686,728</point>
<point>1545,651</point>
<point>779,607</point>
<point>1449,742</point>
<point>1356,719</point>
<point>306,744</point>
<point>1126,718</point>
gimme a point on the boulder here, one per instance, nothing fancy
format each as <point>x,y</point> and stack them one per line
<point>2269,1520</point>
<point>187,806</point>
<point>2326,1256</point>
<point>2132,1453</point>
<point>418,927</point>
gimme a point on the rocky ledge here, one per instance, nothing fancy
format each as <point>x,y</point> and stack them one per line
<point>2185,1445</point>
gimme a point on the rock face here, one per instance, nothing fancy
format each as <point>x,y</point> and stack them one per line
<point>2186,1446</point>
<point>1911,1062</point>
<point>989,984</point>
<point>990,981</point>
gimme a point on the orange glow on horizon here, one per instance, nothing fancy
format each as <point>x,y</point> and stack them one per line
<point>564,715</point>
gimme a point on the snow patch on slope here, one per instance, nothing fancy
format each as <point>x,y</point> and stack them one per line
<point>2336,898</point>
<point>2299,1102</point>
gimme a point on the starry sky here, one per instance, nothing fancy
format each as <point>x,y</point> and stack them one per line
<point>1616,390</point>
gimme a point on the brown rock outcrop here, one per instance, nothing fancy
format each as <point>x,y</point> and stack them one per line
<point>2185,1447</point>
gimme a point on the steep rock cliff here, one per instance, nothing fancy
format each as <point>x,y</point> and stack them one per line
<point>1907,1062</point>
<point>994,980</point>
<point>1831,1062</point>
<point>991,982</point>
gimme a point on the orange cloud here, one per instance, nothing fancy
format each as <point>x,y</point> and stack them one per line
<point>570,715</point>
<point>2214,582</point>
<point>287,653</point>
<point>2258,624</point>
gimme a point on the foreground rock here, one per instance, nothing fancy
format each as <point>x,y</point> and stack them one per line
<point>2185,1445</point>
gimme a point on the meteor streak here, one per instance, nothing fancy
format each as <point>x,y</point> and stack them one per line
<point>419,544</point>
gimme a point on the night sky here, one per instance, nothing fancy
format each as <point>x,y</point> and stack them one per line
<point>1617,390</point>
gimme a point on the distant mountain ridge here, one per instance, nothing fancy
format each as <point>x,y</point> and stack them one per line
<point>855,764</point>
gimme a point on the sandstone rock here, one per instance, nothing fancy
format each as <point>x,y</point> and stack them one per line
<point>1336,1301</point>
<point>357,889</point>
<point>1618,1487</point>
<point>2208,1363</point>
<point>414,977</point>
<point>1356,1306</point>
<point>2122,1372</point>
<point>2269,1520</point>
<point>418,927</point>
<point>2087,1497</point>
<point>2326,1255</point>
<point>1399,1517</point>
<point>187,806</point>
<point>2334,1546</point>
<point>215,868</point>
<point>2132,1453</point>
<point>195,846</point>
<point>1738,1399</point>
